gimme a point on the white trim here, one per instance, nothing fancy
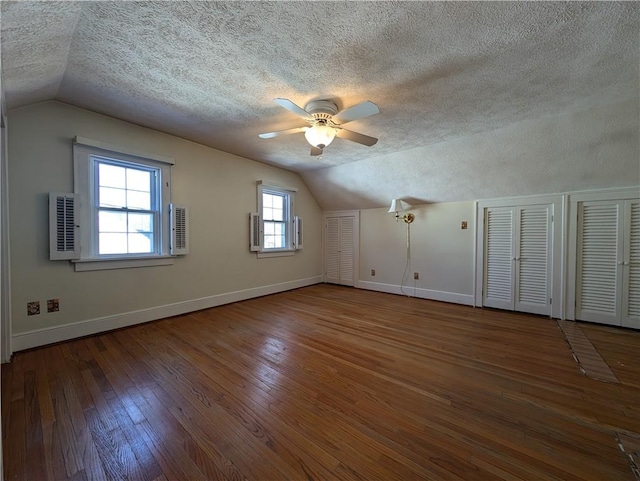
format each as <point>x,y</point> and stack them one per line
<point>85,265</point>
<point>475,253</point>
<point>478,284</point>
<point>453,297</point>
<point>629,192</point>
<point>5,277</point>
<point>606,194</point>
<point>6,349</point>
<point>341,213</point>
<point>275,185</point>
<point>41,337</point>
<point>282,253</point>
<point>564,249</point>
<point>77,140</point>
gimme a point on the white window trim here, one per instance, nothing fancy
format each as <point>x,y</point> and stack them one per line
<point>280,253</point>
<point>290,250</point>
<point>83,150</point>
<point>85,265</point>
<point>77,140</point>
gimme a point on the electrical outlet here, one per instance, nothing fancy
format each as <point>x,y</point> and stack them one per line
<point>33,308</point>
<point>416,276</point>
<point>53,305</point>
<point>373,272</point>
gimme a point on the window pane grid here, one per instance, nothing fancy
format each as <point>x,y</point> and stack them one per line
<point>126,211</point>
<point>124,232</point>
<point>124,187</point>
<point>274,235</point>
<point>273,207</point>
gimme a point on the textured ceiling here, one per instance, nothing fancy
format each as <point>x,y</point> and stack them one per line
<point>209,71</point>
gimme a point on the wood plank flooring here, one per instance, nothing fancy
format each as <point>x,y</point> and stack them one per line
<point>586,355</point>
<point>323,383</point>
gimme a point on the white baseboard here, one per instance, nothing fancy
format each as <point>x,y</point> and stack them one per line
<point>41,337</point>
<point>454,297</point>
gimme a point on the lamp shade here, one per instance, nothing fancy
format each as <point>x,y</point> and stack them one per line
<point>398,205</point>
<point>320,135</point>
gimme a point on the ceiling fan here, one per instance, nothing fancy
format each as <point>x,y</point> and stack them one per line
<point>326,123</point>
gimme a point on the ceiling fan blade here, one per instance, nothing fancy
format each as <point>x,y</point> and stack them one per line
<point>356,137</point>
<point>291,107</point>
<point>360,111</point>
<point>270,135</point>
<point>315,151</point>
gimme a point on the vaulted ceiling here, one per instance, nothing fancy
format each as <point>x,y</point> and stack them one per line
<point>441,73</point>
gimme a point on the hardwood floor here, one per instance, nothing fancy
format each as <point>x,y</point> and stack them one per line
<point>323,383</point>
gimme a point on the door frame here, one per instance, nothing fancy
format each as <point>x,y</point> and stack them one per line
<point>573,201</point>
<point>558,228</point>
<point>5,275</point>
<point>356,241</point>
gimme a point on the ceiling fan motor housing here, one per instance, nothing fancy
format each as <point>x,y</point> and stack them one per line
<point>322,109</point>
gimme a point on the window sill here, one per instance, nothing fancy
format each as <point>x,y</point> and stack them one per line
<point>262,255</point>
<point>84,265</point>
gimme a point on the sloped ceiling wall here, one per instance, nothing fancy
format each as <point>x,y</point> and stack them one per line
<point>444,74</point>
<point>589,149</point>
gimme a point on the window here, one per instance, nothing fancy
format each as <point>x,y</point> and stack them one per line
<point>274,227</point>
<point>127,207</point>
<point>123,206</point>
<point>275,216</point>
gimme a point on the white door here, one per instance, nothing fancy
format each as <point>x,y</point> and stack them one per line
<point>518,258</point>
<point>499,258</point>
<point>533,259</point>
<point>631,266</point>
<point>608,274</point>
<point>599,273</point>
<point>340,250</point>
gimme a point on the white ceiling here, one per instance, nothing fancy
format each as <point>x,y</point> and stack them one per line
<point>439,71</point>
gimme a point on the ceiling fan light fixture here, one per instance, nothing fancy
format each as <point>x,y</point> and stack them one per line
<point>320,135</point>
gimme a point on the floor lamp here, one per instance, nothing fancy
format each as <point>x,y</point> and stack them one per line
<point>398,206</point>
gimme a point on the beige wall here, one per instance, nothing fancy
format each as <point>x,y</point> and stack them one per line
<point>218,188</point>
<point>441,252</point>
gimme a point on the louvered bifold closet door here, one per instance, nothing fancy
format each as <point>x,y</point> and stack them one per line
<point>631,266</point>
<point>533,259</point>
<point>332,247</point>
<point>599,279</point>
<point>499,258</point>
<point>347,250</point>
